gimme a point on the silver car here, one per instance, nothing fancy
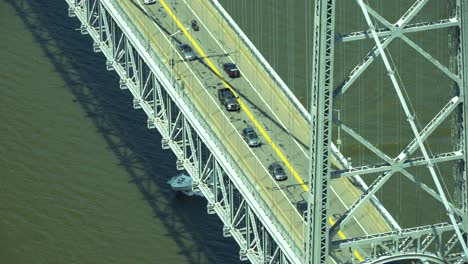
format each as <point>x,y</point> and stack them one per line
<point>250,137</point>
<point>187,52</point>
<point>277,171</point>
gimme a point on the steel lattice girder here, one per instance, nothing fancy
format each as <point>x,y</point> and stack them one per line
<point>150,92</point>
<point>406,241</point>
<point>320,139</point>
<point>462,13</point>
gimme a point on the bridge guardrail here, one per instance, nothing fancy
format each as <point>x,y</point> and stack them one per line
<point>284,88</point>
<point>163,67</point>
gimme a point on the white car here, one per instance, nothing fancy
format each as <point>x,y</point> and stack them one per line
<point>148,2</point>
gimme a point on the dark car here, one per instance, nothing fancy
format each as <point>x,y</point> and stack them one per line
<point>231,69</point>
<point>277,171</point>
<point>301,207</point>
<point>250,137</point>
<point>195,25</point>
<point>227,98</point>
<point>187,52</point>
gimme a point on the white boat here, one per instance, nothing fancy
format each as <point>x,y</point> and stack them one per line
<point>183,183</point>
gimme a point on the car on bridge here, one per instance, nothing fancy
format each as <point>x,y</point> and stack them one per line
<point>194,25</point>
<point>231,70</point>
<point>250,137</point>
<point>301,207</point>
<point>187,52</point>
<point>227,98</point>
<point>277,172</point>
<point>148,2</point>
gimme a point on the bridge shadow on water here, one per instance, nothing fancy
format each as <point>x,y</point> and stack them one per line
<point>197,235</point>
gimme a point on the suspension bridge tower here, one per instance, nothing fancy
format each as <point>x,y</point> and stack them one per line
<point>393,86</point>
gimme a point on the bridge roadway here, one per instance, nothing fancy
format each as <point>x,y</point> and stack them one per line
<point>282,129</point>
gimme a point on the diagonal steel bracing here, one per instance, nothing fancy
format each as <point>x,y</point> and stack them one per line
<point>375,51</point>
<point>430,240</point>
<point>426,55</point>
<point>403,161</point>
<point>396,163</point>
<point>422,147</point>
<point>399,31</point>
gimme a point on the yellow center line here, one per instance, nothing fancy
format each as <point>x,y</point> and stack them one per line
<point>249,114</point>
<point>242,105</point>
<point>342,236</point>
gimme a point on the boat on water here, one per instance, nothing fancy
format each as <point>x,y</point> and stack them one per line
<point>183,183</point>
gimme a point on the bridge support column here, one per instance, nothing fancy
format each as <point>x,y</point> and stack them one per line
<point>210,208</point>
<point>323,39</point>
<point>243,255</point>
<point>165,143</point>
<point>96,47</point>
<point>180,164</point>
<point>136,103</point>
<point>84,29</point>
<point>151,124</point>
<point>463,179</point>
<point>123,84</point>
<point>71,12</point>
<point>109,65</point>
<point>226,231</point>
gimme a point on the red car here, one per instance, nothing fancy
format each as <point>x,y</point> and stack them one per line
<point>231,70</point>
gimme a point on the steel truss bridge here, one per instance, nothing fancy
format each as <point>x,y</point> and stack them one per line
<point>256,212</point>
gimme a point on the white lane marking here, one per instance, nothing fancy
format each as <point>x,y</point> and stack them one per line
<point>223,113</point>
<point>245,77</point>
<point>268,106</point>
<point>339,198</point>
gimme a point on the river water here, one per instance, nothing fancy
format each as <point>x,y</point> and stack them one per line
<point>82,180</point>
